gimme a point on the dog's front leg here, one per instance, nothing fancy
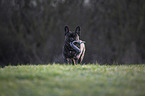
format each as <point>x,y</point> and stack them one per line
<point>73,61</point>
<point>67,60</point>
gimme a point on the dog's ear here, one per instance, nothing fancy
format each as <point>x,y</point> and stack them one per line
<point>78,30</point>
<point>66,29</point>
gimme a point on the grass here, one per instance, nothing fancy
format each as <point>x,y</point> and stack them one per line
<point>68,80</point>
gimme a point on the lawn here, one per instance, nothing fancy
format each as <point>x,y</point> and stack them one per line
<point>69,80</point>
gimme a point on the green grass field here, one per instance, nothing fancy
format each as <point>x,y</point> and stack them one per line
<point>68,80</point>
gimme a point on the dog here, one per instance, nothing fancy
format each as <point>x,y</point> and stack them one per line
<point>74,48</point>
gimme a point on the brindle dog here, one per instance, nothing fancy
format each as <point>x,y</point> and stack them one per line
<point>71,55</point>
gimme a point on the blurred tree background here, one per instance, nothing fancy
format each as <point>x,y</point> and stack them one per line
<point>32,31</point>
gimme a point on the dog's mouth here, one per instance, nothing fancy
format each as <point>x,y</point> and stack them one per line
<point>75,47</point>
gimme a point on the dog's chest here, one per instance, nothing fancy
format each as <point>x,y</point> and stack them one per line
<point>69,52</point>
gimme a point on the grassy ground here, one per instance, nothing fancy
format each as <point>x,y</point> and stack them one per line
<point>68,80</point>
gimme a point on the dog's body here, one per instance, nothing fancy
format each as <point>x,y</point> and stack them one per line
<point>69,52</point>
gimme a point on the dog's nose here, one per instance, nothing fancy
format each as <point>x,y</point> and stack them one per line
<point>71,39</point>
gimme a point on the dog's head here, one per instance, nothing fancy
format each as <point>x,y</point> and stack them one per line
<point>72,36</point>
